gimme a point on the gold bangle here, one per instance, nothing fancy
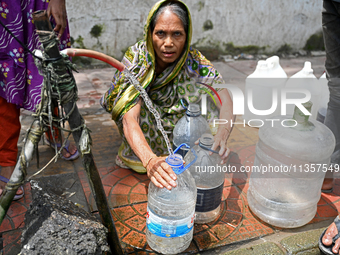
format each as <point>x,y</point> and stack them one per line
<point>147,163</point>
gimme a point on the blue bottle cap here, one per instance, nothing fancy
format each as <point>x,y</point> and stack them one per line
<point>175,160</point>
<point>176,163</point>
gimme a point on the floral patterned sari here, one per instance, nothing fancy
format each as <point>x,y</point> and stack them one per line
<point>20,81</point>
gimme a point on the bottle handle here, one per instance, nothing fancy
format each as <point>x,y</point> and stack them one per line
<point>184,103</point>
<point>193,152</point>
<point>183,144</point>
<point>273,61</point>
<point>194,160</point>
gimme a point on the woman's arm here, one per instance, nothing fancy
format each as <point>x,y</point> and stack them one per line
<point>159,172</point>
<point>224,130</point>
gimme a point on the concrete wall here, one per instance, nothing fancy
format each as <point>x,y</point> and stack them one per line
<point>269,23</point>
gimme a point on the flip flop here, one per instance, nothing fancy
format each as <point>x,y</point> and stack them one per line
<point>72,157</point>
<point>328,249</point>
<point>16,197</point>
<point>327,190</point>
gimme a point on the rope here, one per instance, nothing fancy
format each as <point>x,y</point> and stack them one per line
<point>59,88</point>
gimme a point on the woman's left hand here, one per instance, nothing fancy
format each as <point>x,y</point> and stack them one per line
<point>223,132</point>
<point>221,142</point>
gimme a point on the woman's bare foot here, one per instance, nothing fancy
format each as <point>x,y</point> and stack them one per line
<point>327,239</point>
<point>6,171</point>
<point>327,184</point>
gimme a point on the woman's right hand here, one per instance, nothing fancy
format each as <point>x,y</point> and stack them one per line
<point>160,173</point>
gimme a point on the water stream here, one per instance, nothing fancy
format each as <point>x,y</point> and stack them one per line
<point>149,105</point>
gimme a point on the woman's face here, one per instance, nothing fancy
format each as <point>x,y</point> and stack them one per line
<point>168,39</point>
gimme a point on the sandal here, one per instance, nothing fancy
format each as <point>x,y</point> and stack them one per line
<point>72,157</point>
<point>16,197</point>
<point>327,190</point>
<point>328,249</point>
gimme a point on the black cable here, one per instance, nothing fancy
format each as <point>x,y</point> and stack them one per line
<point>21,43</point>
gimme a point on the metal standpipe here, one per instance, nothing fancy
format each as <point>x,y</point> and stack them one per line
<point>19,173</point>
<point>76,123</point>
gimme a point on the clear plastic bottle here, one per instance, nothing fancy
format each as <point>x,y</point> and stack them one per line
<point>268,78</point>
<point>190,128</point>
<point>289,168</point>
<point>323,103</point>
<point>209,177</point>
<point>304,79</point>
<point>170,213</point>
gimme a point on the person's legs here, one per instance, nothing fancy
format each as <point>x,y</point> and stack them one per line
<point>9,135</point>
<point>58,138</point>
<point>331,31</point>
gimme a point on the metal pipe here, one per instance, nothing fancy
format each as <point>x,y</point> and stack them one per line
<point>19,173</point>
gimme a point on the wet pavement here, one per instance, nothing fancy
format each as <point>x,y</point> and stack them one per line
<point>237,230</point>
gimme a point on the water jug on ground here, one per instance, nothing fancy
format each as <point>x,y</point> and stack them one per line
<point>304,79</point>
<point>262,90</point>
<point>209,177</point>
<point>189,128</point>
<point>290,165</point>
<point>170,213</point>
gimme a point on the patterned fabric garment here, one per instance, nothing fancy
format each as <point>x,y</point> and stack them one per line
<point>180,80</point>
<point>20,81</point>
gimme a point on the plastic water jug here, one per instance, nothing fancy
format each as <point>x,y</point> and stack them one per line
<point>289,168</point>
<point>304,79</point>
<point>209,177</point>
<point>189,128</point>
<point>262,89</point>
<point>170,213</point>
<point>324,98</point>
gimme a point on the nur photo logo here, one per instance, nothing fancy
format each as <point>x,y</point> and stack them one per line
<point>279,101</point>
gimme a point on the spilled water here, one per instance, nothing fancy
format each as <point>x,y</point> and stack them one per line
<point>149,105</point>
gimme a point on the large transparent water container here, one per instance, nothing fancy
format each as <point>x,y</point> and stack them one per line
<point>324,98</point>
<point>262,90</point>
<point>289,168</point>
<point>209,177</point>
<point>170,213</point>
<point>304,79</point>
<point>189,128</point>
